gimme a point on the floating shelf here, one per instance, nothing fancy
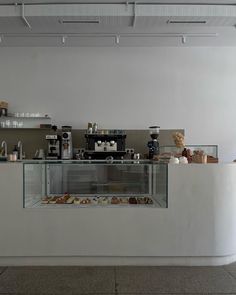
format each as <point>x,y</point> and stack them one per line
<point>26,128</point>
<point>12,122</point>
<point>23,118</point>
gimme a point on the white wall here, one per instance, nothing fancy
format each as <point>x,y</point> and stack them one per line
<point>191,88</point>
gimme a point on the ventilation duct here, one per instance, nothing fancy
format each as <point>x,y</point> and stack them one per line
<point>50,17</point>
<point>113,19</point>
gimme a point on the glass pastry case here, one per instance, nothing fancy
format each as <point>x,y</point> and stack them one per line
<point>95,183</point>
<point>210,150</point>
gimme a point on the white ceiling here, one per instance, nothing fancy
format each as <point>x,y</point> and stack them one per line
<point>117,25</point>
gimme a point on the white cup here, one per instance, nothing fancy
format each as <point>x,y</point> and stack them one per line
<point>174,160</point>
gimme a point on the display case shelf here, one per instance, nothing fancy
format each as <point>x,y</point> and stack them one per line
<point>80,184</point>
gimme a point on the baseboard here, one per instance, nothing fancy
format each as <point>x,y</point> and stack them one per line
<point>118,261</point>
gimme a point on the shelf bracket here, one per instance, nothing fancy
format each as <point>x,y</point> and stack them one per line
<point>23,16</point>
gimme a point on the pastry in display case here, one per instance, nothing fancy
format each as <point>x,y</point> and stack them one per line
<point>79,184</point>
<point>97,200</point>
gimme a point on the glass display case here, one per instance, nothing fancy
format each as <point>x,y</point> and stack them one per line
<point>93,183</point>
<point>210,150</point>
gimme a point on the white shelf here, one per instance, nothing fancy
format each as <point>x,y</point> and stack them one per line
<point>12,122</point>
<point>24,118</point>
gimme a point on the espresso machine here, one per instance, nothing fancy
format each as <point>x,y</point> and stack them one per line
<point>105,143</point>
<point>54,146</point>
<point>66,143</point>
<point>153,144</point>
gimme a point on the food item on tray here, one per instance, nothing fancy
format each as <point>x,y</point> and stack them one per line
<point>132,200</point>
<point>45,200</point>
<point>140,201</point>
<point>124,200</point>
<point>77,201</point>
<point>70,200</point>
<point>211,159</point>
<point>95,200</point>
<point>53,200</point>
<point>63,199</point>
<point>148,201</point>
<point>178,139</point>
<point>85,201</point>
<point>60,201</point>
<point>199,157</point>
<point>66,197</point>
<point>104,200</point>
<point>115,200</point>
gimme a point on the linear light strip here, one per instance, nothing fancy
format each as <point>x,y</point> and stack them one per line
<point>79,21</point>
<point>186,22</point>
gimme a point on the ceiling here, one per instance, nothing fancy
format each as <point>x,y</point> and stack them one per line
<point>113,23</point>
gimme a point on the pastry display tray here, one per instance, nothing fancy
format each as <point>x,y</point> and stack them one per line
<point>107,203</point>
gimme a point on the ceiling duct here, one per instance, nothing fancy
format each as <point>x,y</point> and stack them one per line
<point>116,19</point>
<point>47,18</point>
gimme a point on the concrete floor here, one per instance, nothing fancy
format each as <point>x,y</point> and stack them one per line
<point>118,280</point>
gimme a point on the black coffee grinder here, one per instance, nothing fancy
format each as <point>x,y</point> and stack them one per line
<point>153,144</point>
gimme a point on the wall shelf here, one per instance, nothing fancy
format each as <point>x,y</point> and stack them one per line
<point>26,128</point>
<point>23,118</point>
<point>13,122</point>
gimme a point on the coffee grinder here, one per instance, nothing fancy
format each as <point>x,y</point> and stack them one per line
<point>153,144</point>
<point>54,145</point>
<point>67,150</point>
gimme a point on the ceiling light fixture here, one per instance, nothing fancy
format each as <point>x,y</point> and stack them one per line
<point>80,21</point>
<point>184,22</point>
<point>117,39</point>
<point>63,40</point>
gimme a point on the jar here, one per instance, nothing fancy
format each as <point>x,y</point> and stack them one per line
<point>95,127</point>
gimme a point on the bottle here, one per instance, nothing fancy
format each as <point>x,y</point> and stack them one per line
<point>95,128</point>
<point>15,152</point>
<point>185,153</point>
